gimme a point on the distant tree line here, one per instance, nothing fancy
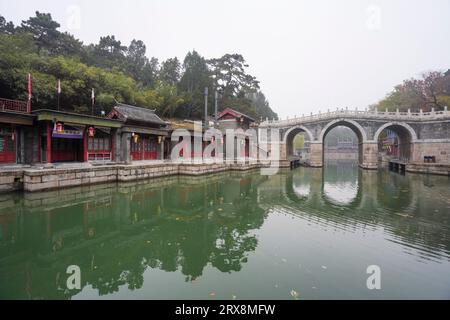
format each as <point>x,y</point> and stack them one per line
<point>119,72</point>
<point>431,90</point>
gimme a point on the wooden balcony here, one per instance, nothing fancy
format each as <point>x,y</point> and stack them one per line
<point>13,106</point>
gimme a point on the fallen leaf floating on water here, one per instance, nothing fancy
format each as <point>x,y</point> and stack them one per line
<point>404,215</point>
<point>324,267</point>
<point>295,294</point>
<point>212,294</point>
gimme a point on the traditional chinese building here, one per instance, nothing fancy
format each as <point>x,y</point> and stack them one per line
<point>143,133</point>
<point>196,129</point>
<point>230,119</point>
<point>16,132</point>
<point>72,137</point>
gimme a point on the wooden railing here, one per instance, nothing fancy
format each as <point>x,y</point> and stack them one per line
<point>13,105</point>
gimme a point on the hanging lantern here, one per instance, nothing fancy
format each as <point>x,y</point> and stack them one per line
<point>59,127</point>
<point>159,139</point>
<point>135,137</point>
<point>91,131</point>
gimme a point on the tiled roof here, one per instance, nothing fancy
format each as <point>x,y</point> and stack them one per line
<point>234,113</point>
<point>139,114</point>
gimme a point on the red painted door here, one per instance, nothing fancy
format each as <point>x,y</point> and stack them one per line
<point>66,150</point>
<point>150,149</point>
<point>7,146</point>
<point>136,149</point>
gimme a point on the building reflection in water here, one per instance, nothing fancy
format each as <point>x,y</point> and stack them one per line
<point>115,232</point>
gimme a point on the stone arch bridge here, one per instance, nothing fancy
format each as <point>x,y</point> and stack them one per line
<point>421,135</point>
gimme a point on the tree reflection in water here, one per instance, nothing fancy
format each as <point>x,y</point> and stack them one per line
<point>117,233</point>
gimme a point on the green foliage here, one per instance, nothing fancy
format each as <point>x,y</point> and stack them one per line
<point>170,71</point>
<point>299,141</point>
<point>6,27</point>
<point>44,30</point>
<point>118,72</point>
<point>230,75</point>
<point>432,90</point>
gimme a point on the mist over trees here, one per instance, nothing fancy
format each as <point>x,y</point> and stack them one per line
<point>119,72</point>
<point>431,90</point>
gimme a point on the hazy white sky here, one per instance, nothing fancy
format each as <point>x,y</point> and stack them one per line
<point>309,55</point>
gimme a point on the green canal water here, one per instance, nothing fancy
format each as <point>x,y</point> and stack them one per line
<point>306,234</point>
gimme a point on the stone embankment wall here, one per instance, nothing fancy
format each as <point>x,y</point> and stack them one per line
<point>30,179</point>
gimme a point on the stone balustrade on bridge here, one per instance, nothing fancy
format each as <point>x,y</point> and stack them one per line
<point>382,115</point>
<point>421,135</point>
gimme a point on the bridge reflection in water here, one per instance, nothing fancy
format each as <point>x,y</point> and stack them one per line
<point>232,234</point>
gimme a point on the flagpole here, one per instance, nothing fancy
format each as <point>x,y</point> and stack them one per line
<point>29,93</point>
<point>92,98</point>
<point>59,91</point>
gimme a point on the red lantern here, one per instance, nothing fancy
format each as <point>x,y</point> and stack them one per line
<point>91,131</point>
<point>59,127</point>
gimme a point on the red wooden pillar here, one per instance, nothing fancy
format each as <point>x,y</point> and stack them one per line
<point>14,142</point>
<point>39,145</point>
<point>85,145</point>
<point>49,143</point>
<point>112,141</point>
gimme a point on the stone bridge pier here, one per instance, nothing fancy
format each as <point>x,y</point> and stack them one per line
<point>421,137</point>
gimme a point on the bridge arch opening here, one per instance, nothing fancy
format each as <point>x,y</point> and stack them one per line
<point>341,144</point>
<point>359,135</point>
<point>395,140</point>
<point>297,141</point>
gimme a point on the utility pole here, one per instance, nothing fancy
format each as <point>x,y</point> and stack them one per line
<point>215,106</point>
<point>206,108</point>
